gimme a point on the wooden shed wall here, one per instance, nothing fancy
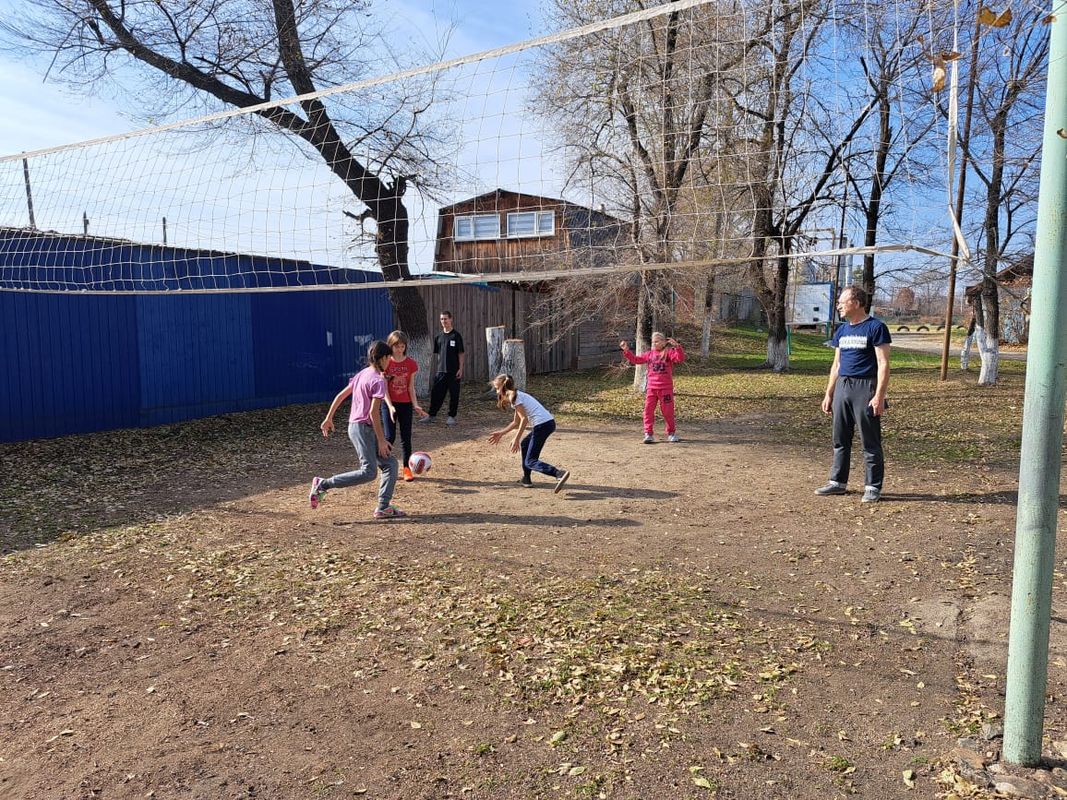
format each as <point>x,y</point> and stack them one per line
<point>475,308</point>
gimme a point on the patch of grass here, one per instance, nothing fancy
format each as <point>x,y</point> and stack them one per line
<point>955,422</point>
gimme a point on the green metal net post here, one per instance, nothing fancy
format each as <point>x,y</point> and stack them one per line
<point>1043,415</point>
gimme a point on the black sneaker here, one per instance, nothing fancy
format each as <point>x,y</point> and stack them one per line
<point>832,487</point>
<point>525,482</point>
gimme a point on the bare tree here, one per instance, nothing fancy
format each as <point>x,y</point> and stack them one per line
<point>215,53</point>
<point>891,66</point>
<point>794,149</point>
<point>633,108</point>
<point>1010,100</point>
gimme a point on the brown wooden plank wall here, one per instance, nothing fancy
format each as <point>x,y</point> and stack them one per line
<point>474,308</point>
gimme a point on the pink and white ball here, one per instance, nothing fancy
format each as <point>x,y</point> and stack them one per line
<point>420,463</point>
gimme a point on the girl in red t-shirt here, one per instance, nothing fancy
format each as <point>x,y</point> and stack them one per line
<point>400,401</point>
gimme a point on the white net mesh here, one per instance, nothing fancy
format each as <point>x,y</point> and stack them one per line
<point>697,134</point>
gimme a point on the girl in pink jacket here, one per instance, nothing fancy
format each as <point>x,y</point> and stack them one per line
<point>665,353</point>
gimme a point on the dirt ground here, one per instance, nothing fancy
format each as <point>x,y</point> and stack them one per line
<point>682,621</point>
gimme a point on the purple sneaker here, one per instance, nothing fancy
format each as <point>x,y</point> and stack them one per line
<point>316,494</point>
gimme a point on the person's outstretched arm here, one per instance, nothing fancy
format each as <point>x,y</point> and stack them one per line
<point>496,436</point>
<point>631,357</point>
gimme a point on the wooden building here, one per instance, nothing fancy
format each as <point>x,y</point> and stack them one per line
<point>505,231</point>
<point>548,348</point>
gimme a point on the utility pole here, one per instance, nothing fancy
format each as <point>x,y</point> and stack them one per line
<point>29,194</point>
<point>1043,411</point>
<point>961,186</point>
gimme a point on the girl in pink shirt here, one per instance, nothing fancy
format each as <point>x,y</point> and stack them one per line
<point>665,353</point>
<point>365,430</point>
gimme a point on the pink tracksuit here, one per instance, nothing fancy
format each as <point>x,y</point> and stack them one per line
<point>660,382</point>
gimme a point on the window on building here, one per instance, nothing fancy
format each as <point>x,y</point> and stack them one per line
<point>546,223</point>
<point>531,223</point>
<point>477,226</point>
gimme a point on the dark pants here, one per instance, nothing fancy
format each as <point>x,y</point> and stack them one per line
<point>851,399</point>
<point>444,383</point>
<point>530,449</point>
<point>404,413</point>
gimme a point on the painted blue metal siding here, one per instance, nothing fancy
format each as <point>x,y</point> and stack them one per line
<point>307,345</point>
<point>194,355</point>
<point>69,364</point>
<point>80,363</point>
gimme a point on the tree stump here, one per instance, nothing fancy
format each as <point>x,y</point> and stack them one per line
<point>494,349</point>
<point>514,361</point>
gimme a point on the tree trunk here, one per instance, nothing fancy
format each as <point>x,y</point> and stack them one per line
<point>391,246</point>
<point>494,349</point>
<point>989,338</point>
<point>708,317</point>
<point>663,310</point>
<point>513,361</point>
<point>777,336</point>
<point>968,340</point>
<point>989,350</point>
<point>874,201</point>
<point>778,353</point>
<point>643,332</point>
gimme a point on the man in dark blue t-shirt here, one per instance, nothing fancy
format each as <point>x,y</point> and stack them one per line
<point>855,393</point>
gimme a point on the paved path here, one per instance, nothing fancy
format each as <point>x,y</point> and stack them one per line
<point>933,341</point>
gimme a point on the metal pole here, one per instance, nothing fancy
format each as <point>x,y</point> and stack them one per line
<point>164,230</point>
<point>961,186</point>
<point>29,194</point>
<point>85,223</point>
<point>1043,412</point>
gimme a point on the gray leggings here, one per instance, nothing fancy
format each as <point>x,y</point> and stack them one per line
<point>366,444</point>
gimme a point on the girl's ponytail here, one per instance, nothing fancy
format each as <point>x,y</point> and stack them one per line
<point>505,390</point>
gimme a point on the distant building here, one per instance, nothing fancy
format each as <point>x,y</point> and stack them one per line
<point>505,231</point>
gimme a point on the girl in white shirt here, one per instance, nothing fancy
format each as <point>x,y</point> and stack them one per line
<point>528,414</point>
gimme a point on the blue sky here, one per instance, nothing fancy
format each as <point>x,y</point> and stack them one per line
<point>40,114</point>
<point>293,210</point>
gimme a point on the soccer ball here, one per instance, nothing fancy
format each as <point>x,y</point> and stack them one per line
<point>420,463</point>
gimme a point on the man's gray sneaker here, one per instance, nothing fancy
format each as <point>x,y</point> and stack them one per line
<point>831,488</point>
<point>871,495</point>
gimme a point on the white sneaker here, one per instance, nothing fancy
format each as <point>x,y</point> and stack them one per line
<point>450,421</point>
<point>649,439</point>
<point>673,437</point>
